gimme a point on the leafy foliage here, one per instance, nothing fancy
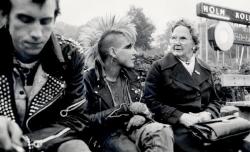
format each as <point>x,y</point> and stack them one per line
<point>163,39</point>
<point>69,31</point>
<point>227,94</point>
<point>144,28</point>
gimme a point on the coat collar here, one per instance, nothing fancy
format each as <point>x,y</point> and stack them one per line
<point>170,60</point>
<point>180,74</point>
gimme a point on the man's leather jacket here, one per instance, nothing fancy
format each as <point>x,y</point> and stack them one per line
<point>53,114</point>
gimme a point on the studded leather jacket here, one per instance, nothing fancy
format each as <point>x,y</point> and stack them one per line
<point>53,114</point>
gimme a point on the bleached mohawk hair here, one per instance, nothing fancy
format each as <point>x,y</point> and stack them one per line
<point>91,33</point>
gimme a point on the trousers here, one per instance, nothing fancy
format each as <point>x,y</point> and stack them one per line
<point>151,137</point>
<point>73,146</point>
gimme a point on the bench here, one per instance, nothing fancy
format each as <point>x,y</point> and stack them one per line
<point>241,107</point>
<point>236,80</point>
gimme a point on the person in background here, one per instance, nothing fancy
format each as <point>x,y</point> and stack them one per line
<point>120,122</point>
<point>41,89</point>
<point>179,88</point>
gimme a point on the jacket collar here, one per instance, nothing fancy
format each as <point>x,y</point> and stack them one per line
<point>52,59</point>
<point>101,89</point>
<point>126,73</point>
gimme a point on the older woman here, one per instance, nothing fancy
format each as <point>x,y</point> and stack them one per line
<point>179,87</point>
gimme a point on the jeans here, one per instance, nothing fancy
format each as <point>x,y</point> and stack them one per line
<point>73,146</point>
<point>154,137</point>
<point>151,137</point>
<point>119,142</point>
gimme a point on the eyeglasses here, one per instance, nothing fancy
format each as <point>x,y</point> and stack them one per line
<point>182,40</point>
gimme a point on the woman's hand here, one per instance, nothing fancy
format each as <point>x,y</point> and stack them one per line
<point>203,116</point>
<point>188,119</point>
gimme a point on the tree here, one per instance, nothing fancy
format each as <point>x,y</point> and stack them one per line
<point>144,28</point>
<point>163,39</point>
<point>69,31</point>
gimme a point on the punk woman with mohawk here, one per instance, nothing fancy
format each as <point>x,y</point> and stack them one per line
<point>119,121</point>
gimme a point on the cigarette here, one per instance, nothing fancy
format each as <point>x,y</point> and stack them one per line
<point>17,148</point>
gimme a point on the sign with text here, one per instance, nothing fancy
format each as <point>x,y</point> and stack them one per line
<point>222,13</point>
<point>241,36</point>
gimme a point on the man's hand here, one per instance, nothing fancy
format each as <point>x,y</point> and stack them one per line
<point>135,121</point>
<point>10,134</point>
<point>139,108</point>
<point>188,119</point>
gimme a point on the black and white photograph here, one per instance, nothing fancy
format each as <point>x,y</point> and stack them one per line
<point>125,76</point>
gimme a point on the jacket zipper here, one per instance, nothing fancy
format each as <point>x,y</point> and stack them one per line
<point>38,143</point>
<point>55,98</point>
<point>129,96</point>
<point>72,107</point>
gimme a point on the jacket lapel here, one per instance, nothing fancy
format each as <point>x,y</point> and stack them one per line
<point>200,74</point>
<point>52,86</point>
<point>52,89</point>
<point>181,75</point>
<point>106,95</point>
<point>39,80</point>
